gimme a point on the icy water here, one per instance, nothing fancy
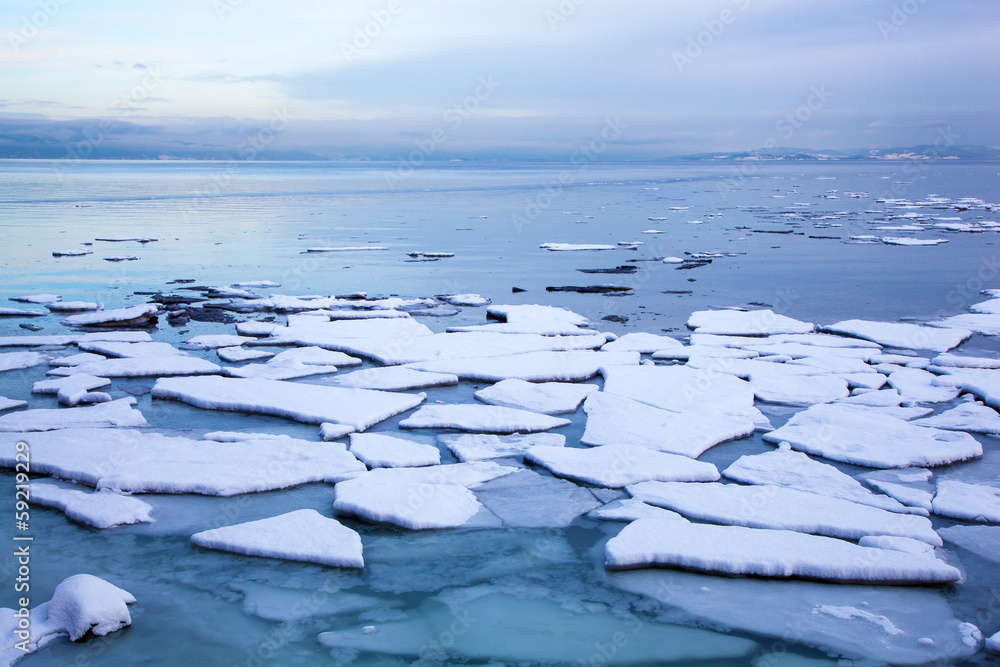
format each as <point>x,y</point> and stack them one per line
<point>511,596</point>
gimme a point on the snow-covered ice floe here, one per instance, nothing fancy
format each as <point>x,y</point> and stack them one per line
<point>778,507</point>
<point>393,378</point>
<point>617,420</point>
<point>81,605</point>
<point>550,398</point>
<point>12,361</point>
<point>302,535</point>
<point>965,417</point>
<point>377,450</point>
<point>642,342</point>
<point>21,312</point>
<point>795,470</point>
<point>842,432</point>
<point>630,509</point>
<point>417,498</point>
<point>101,509</point>
<point>11,403</point>
<point>312,404</point>
<point>745,323</point>
<point>131,461</point>
<point>911,486</point>
<point>543,366</point>
<point>110,415</point>
<point>116,317</point>
<point>483,446</point>
<point>901,334</point>
<point>481,419</point>
<point>737,550</point>
<point>799,390</point>
<point>970,502</point>
<point>617,466</point>
<point>983,383</point>
<point>159,366</point>
<point>575,246</point>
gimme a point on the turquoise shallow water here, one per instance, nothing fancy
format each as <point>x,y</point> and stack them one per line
<point>514,596</point>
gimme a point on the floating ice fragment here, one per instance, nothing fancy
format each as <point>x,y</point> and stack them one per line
<point>548,398</point>
<point>12,361</point>
<point>120,316</point>
<point>970,502</point>
<point>479,447</point>
<point>394,378</point>
<point>901,334</point>
<point>745,322</point>
<point>376,450</point>
<point>113,414</point>
<point>616,466</point>
<point>481,419</point>
<point>101,509</point>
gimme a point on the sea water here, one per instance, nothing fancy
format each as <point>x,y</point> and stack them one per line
<point>512,596</point>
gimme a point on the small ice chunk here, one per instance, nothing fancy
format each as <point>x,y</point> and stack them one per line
<point>75,359</point>
<point>72,306</point>
<point>542,366</point>
<point>312,404</point>
<point>901,334</point>
<point>766,553</point>
<point>376,450</point>
<point>557,247</point>
<point>329,431</point>
<point>955,361</point>
<point>302,535</point>
<point>114,414</point>
<point>970,502</point>
<point>745,322</point>
<point>550,398</point>
<point>130,350</point>
<point>12,361</point>
<point>21,312</point>
<point>993,644</point>
<point>616,466</point>
<point>465,300</point>
<point>394,378</point>
<point>617,420</point>
<point>384,496</point>
<point>481,419</point>
<point>480,447</point>
<point>286,369</point>
<point>802,390</point>
<point>238,354</point>
<point>120,316</point>
<point>213,341</point>
<point>101,509</point>
<point>778,507</point>
<point>37,298</point>
<point>917,386</point>
<point>910,241</point>
<point>842,432</point>
<point>72,382</point>
<point>630,510</point>
<point>316,356</point>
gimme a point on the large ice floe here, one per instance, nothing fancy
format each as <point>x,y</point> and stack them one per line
<point>746,323</point>
<point>132,461</point>
<point>112,414</point>
<point>617,420</point>
<point>616,466</point>
<point>549,398</point>
<point>302,535</point>
<point>81,605</point>
<point>481,419</point>
<point>312,404</point>
<point>102,509</point>
<point>846,433</point>
<point>779,507</point>
<point>901,334</point>
<point>795,470</point>
<point>417,498</point>
<point>738,550</point>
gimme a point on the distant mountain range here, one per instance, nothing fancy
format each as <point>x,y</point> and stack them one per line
<point>926,152</point>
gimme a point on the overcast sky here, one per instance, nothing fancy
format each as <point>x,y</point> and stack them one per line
<point>514,76</point>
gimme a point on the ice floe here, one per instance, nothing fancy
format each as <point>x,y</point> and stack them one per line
<point>239,354</point>
<point>984,541</point>
<point>11,403</point>
<point>302,535</point>
<point>745,323</point>
<point>956,361</point>
<point>618,420</point>
<point>918,386</point>
<point>355,248</point>
<point>965,417</point>
<point>986,324</point>
<point>131,461</point>
<point>393,378</point>
<point>910,486</point>
<point>213,341</point>
<point>910,241</point>
<point>779,507</point>
<point>642,342</point>
<point>81,605</point>
<point>901,334</point>
<point>544,366</point>
<point>100,509</point>
<point>795,470</point>
<point>737,550</point>
<point>555,247</point>
<point>630,509</point>
<point>481,446</point>
<point>329,431</point>
<point>158,366</point>
<point>481,419</point>
<point>72,306</point>
<point>120,316</point>
<point>616,466</point>
<point>130,350</point>
<point>285,369</point>
<point>845,433</point>
<point>37,298</point>
<point>21,312</point>
<point>983,383</point>
<point>799,390</point>
<point>549,398</point>
<point>465,300</point>
<point>12,361</point>
<point>970,502</point>
<point>377,450</point>
<point>312,404</point>
<point>112,414</point>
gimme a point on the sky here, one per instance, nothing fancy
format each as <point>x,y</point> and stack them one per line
<point>494,78</point>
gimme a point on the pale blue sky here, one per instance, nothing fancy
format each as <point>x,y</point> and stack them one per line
<point>889,73</point>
